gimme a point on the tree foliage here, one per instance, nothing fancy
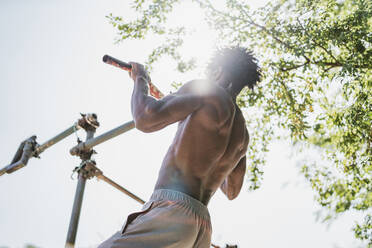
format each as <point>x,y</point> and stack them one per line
<point>316,61</point>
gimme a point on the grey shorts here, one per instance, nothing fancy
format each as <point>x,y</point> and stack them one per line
<point>169,219</point>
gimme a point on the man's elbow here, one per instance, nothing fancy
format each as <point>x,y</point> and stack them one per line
<point>143,120</point>
<point>147,125</point>
<point>231,194</point>
<point>143,125</point>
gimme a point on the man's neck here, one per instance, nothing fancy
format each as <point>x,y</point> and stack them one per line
<point>227,86</point>
<point>230,91</point>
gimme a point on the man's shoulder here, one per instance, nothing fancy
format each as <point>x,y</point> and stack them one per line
<point>206,90</point>
<point>218,106</point>
<point>193,87</point>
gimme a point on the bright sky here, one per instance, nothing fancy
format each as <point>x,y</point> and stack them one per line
<point>51,70</point>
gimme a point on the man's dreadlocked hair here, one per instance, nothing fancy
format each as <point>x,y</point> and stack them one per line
<point>238,65</point>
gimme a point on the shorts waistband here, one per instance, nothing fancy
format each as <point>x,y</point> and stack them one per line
<point>172,195</point>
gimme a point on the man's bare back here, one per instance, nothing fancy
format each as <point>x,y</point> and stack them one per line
<point>209,147</point>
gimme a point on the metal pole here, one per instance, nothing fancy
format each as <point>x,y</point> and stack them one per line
<point>122,189</point>
<point>56,139</point>
<point>89,144</point>
<point>76,208</point>
<point>75,215</point>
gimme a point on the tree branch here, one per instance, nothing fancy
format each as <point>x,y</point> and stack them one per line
<point>250,21</point>
<point>296,66</point>
<point>317,44</point>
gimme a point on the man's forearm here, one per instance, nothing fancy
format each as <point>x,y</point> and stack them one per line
<point>141,85</point>
<point>140,96</point>
<point>150,114</point>
<point>140,90</point>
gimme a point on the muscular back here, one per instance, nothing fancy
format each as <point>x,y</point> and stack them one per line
<point>209,145</point>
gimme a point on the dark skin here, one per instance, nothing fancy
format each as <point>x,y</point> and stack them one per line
<point>208,151</point>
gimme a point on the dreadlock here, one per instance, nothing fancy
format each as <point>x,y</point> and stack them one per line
<point>238,65</point>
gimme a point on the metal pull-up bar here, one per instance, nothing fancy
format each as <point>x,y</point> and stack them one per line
<point>154,91</point>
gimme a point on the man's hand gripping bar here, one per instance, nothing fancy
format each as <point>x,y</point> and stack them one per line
<point>154,91</point>
<point>83,146</point>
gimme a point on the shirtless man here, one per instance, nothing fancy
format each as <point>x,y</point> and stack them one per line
<point>207,153</point>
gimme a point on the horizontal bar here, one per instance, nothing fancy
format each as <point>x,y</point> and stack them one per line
<point>56,139</point>
<point>84,146</point>
<point>122,189</point>
<point>3,170</point>
<point>117,63</point>
<point>154,91</point>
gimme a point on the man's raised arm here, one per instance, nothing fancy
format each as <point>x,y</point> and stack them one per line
<point>232,185</point>
<point>150,114</point>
